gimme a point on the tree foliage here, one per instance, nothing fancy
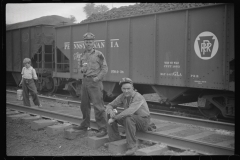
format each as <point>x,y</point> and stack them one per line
<point>72,18</point>
<point>91,8</point>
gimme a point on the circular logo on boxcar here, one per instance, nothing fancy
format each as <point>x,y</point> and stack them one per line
<point>25,37</point>
<point>206,45</point>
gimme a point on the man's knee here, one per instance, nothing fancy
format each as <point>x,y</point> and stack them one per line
<point>129,120</point>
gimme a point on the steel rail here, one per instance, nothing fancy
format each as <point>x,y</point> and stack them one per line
<point>178,142</point>
<point>49,114</point>
<point>167,117</point>
<point>173,141</point>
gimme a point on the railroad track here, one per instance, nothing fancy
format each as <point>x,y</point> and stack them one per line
<point>166,132</point>
<point>154,106</point>
<point>155,115</point>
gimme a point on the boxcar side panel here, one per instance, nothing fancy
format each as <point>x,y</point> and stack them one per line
<point>48,30</point>
<point>25,43</point>
<point>142,29</point>
<point>207,47</point>
<point>9,49</point>
<point>17,60</point>
<point>118,49</point>
<point>171,33</point>
<point>35,39</point>
<point>63,41</point>
<point>231,46</point>
<point>230,28</point>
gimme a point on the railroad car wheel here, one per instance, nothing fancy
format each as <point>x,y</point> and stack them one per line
<point>211,112</point>
<point>51,87</point>
<point>46,86</point>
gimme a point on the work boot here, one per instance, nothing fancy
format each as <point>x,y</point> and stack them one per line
<point>80,128</point>
<point>131,151</point>
<point>102,133</point>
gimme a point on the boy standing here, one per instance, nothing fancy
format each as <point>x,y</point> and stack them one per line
<point>28,85</point>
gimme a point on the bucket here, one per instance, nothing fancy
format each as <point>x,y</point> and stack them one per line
<point>19,94</point>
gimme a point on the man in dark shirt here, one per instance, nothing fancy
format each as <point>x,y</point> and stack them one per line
<point>135,116</point>
<point>94,67</point>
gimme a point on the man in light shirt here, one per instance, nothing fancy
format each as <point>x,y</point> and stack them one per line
<point>93,67</point>
<point>28,85</point>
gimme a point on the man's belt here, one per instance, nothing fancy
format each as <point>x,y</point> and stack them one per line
<point>91,76</point>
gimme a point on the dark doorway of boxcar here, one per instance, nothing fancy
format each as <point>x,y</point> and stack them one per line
<point>37,59</point>
<point>48,57</point>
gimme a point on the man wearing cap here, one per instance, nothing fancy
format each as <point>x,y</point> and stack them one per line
<point>94,67</point>
<point>135,116</point>
<point>28,85</point>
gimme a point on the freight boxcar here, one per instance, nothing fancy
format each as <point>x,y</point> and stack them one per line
<point>182,55</point>
<point>37,43</point>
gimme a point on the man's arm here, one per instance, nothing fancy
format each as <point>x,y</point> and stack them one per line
<point>134,106</point>
<point>114,104</point>
<point>34,74</point>
<point>22,77</point>
<point>103,66</point>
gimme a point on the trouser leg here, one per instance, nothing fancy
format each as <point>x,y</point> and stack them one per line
<point>95,92</point>
<point>85,106</point>
<point>132,124</point>
<point>33,91</point>
<point>25,94</point>
<point>112,130</point>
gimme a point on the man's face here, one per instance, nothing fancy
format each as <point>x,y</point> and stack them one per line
<point>127,89</point>
<point>89,44</point>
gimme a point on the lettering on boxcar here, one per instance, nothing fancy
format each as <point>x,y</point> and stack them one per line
<point>171,64</point>
<point>194,76</point>
<point>200,82</point>
<point>175,74</point>
<point>66,45</point>
<point>79,45</point>
<point>206,45</point>
<point>117,71</point>
<point>77,56</point>
<point>97,44</point>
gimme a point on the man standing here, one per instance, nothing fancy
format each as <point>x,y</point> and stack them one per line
<point>135,116</point>
<point>94,67</point>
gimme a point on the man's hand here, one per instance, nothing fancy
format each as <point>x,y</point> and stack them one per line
<point>111,112</point>
<point>95,79</point>
<point>20,84</point>
<point>110,121</point>
<point>83,69</point>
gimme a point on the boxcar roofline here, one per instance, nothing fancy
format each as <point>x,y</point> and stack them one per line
<point>162,12</point>
<point>50,25</point>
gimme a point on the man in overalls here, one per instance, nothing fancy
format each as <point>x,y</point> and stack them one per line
<point>28,85</point>
<point>94,68</point>
<point>135,116</point>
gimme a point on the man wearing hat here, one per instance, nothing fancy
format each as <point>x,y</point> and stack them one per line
<point>135,116</point>
<point>94,68</point>
<point>28,85</point>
